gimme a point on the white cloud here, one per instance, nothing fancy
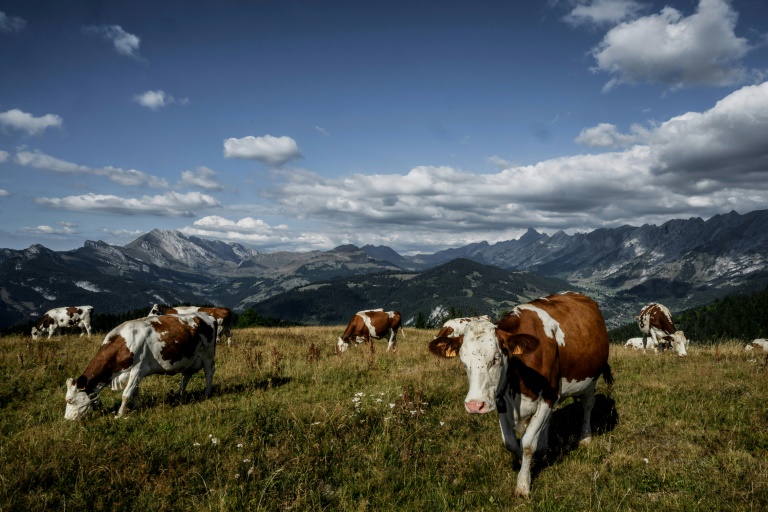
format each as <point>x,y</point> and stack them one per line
<point>11,24</point>
<point>202,177</point>
<point>154,100</point>
<point>4,156</point>
<point>499,163</point>
<point>64,228</point>
<point>170,204</point>
<point>672,49</point>
<point>606,135</point>
<point>4,193</point>
<point>603,12</point>
<point>125,43</point>
<point>130,177</point>
<point>15,119</point>
<point>257,232</point>
<point>273,151</point>
<point>322,130</point>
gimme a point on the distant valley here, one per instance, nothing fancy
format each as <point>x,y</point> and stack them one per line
<point>682,263</point>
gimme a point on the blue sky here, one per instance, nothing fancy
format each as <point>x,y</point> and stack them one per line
<point>421,125</point>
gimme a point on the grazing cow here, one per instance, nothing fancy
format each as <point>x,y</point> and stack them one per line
<point>655,321</point>
<point>166,345</point>
<point>637,344</point>
<point>455,327</point>
<point>522,366</point>
<point>223,314</point>
<point>58,318</point>
<point>371,323</point>
<point>758,344</point>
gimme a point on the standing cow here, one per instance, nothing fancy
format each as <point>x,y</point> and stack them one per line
<point>59,318</point>
<point>655,321</point>
<point>522,366</point>
<point>223,314</point>
<point>165,345</point>
<point>371,323</point>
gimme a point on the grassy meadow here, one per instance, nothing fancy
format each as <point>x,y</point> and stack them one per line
<point>294,426</point>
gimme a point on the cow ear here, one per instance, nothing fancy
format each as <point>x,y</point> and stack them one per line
<point>446,346</point>
<point>515,344</point>
<point>81,382</point>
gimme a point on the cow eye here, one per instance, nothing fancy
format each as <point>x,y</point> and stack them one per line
<point>496,359</point>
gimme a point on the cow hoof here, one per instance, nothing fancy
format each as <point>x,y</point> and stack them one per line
<point>523,492</point>
<point>586,441</point>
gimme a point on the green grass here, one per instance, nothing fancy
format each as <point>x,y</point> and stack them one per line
<point>297,430</point>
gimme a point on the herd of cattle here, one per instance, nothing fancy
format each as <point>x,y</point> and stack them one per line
<point>520,366</point>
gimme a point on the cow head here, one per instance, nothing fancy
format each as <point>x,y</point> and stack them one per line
<point>679,343</point>
<point>154,311</point>
<point>342,345</point>
<point>481,355</point>
<point>35,333</point>
<point>78,403</point>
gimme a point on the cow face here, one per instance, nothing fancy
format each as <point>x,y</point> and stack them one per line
<point>35,333</point>
<point>78,403</point>
<point>679,343</point>
<point>483,361</point>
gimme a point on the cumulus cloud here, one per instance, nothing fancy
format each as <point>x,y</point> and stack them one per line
<point>202,177</point>
<point>606,135</point>
<point>11,24</point>
<point>603,12</point>
<point>16,119</point>
<point>129,178</point>
<point>170,204</point>
<point>498,162</point>
<point>273,151</point>
<point>154,100</point>
<point>124,42</point>
<point>675,50</point>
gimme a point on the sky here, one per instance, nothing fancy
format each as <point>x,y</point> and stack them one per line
<point>420,125</point>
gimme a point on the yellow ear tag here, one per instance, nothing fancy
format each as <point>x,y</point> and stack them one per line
<point>517,351</point>
<point>449,352</point>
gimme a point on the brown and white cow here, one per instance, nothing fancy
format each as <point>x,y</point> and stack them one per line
<point>455,327</point>
<point>59,318</point>
<point>655,321</point>
<point>522,366</point>
<point>758,344</point>
<point>166,345</point>
<point>223,314</point>
<point>371,323</point>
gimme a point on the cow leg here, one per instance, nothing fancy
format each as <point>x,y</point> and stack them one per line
<point>184,381</point>
<point>530,442</point>
<point>587,403</point>
<point>209,367</point>
<point>655,342</point>
<point>130,393</point>
<point>392,341</point>
<point>511,443</point>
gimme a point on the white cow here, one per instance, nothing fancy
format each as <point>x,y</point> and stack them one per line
<point>759,344</point>
<point>637,344</point>
<point>166,345</point>
<point>59,318</point>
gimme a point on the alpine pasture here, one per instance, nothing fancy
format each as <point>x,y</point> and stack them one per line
<point>292,425</point>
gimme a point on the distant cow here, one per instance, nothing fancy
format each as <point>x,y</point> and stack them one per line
<point>655,321</point>
<point>371,323</point>
<point>59,318</point>
<point>223,314</point>
<point>166,345</point>
<point>522,366</point>
<point>455,327</point>
<point>758,344</point>
<point>637,344</point>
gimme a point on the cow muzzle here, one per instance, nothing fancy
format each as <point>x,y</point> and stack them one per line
<point>477,407</point>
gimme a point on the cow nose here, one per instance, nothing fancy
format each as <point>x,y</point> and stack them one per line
<point>476,407</point>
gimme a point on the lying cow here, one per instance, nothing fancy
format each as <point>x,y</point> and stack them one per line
<point>165,345</point>
<point>371,323</point>
<point>522,366</point>
<point>655,321</point>
<point>455,327</point>
<point>758,344</point>
<point>223,314</point>
<point>637,344</point>
<point>59,318</point>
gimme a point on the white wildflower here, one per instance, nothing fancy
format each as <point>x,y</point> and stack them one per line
<point>391,406</point>
<point>214,440</point>
<point>195,444</point>
<point>239,445</point>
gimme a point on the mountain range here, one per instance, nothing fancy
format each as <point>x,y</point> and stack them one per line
<point>682,263</point>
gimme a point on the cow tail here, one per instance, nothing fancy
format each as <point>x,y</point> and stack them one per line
<point>608,376</point>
